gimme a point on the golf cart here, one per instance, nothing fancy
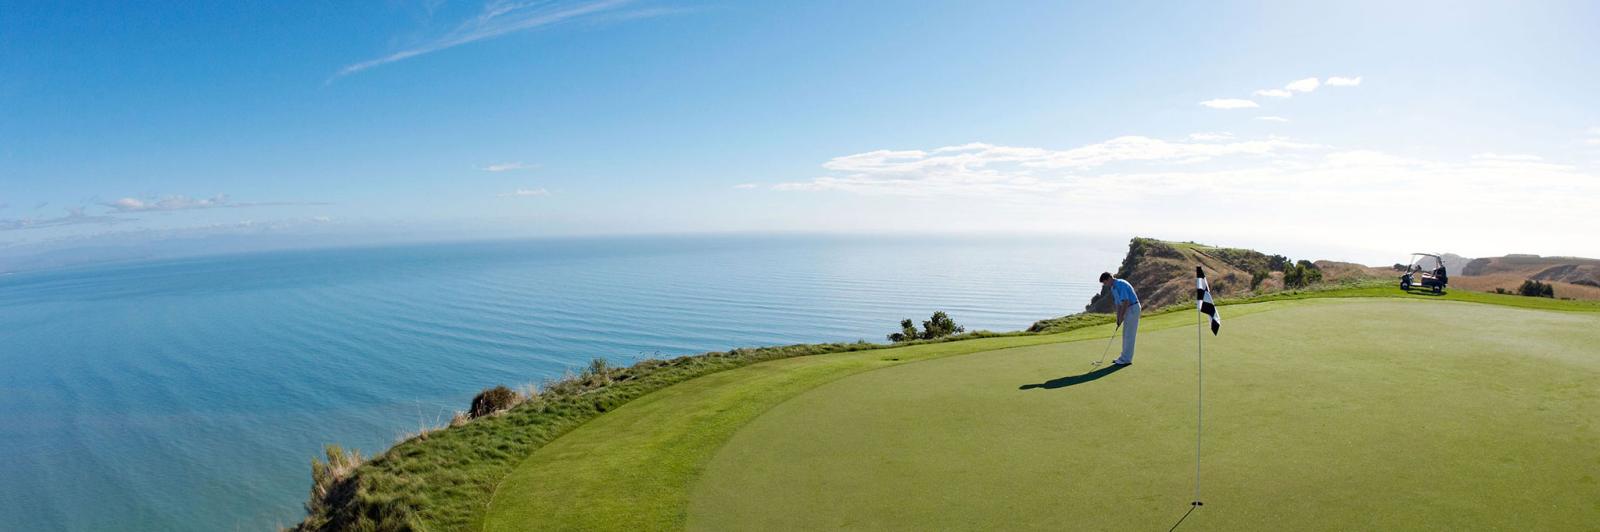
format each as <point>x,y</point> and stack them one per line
<point>1419,275</point>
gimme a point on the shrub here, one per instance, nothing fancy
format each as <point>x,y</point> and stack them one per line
<point>492,400</point>
<point>937,326</point>
<point>908,331</point>
<point>940,325</point>
<point>1301,275</point>
<point>1257,276</point>
<point>330,477</point>
<point>1277,263</point>
<point>1537,289</point>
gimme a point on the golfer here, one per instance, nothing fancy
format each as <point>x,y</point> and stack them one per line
<point>1127,304</point>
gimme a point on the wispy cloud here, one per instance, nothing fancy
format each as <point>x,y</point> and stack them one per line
<point>1273,119</point>
<point>525,193</point>
<point>1211,136</point>
<point>74,216</point>
<point>507,167</point>
<point>1272,186</point>
<point>185,203</point>
<point>502,17</point>
<point>1307,85</point>
<point>168,203</point>
<point>990,169</point>
<point>1229,103</point>
<point>1491,156</point>
<point>1303,85</point>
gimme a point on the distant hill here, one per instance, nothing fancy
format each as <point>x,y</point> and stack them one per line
<point>1163,272</point>
<point>1573,277</point>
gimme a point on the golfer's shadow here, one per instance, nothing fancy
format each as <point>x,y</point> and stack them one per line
<point>1063,382</point>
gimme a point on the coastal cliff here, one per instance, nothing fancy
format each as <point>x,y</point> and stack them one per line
<point>1163,272</point>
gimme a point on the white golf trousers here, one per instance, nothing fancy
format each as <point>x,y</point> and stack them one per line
<point>1130,330</point>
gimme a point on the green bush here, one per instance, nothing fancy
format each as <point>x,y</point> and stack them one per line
<point>938,326</point>
<point>1301,275</point>
<point>1277,263</point>
<point>1537,289</point>
<point>492,400</point>
<point>908,331</point>
<point>1257,276</point>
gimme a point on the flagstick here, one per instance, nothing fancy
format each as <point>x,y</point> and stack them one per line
<point>1199,405</point>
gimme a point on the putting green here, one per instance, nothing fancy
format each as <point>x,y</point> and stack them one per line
<point>1327,414</point>
<point>1321,414</point>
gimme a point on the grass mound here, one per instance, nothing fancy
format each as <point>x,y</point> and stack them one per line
<point>1332,414</point>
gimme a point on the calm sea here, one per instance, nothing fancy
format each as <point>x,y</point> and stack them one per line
<point>191,394</point>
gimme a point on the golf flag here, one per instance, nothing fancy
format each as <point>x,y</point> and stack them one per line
<point>1202,297</point>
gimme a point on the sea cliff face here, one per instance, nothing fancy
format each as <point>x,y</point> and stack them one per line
<point>1163,272</point>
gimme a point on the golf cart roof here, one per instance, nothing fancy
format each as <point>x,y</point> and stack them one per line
<point>1426,255</point>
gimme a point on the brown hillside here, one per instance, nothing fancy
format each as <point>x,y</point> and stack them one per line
<point>1571,270</point>
<point>1163,272</point>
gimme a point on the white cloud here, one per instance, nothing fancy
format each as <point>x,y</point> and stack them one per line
<point>500,17</point>
<point>1337,81</point>
<point>1303,85</point>
<point>1491,156</point>
<point>1272,118</point>
<point>168,203</point>
<point>1229,103</point>
<point>1273,187</point>
<point>745,186</point>
<point>1210,136</point>
<point>1592,142</point>
<point>525,193</point>
<point>1275,93</point>
<point>186,203</point>
<point>74,216</point>
<point>989,169</point>
<point>507,167</point>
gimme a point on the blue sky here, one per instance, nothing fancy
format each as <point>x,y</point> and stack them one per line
<point>1315,129</point>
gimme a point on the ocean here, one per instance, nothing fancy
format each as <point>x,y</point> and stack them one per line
<point>191,394</point>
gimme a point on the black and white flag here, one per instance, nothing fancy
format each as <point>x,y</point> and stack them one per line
<point>1202,297</point>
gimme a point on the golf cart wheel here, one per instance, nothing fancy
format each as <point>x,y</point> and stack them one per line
<point>1438,289</point>
<point>1405,285</point>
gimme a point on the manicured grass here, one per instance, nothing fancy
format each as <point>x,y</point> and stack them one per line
<point>445,480</point>
<point>634,467</point>
<point>1356,414</point>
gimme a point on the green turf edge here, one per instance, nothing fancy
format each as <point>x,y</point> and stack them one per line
<point>1501,404</point>
<point>633,468</point>
<point>443,481</point>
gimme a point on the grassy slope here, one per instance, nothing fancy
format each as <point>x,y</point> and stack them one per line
<point>634,466</point>
<point>1322,415</point>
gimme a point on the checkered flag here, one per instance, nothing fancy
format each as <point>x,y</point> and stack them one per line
<point>1202,297</point>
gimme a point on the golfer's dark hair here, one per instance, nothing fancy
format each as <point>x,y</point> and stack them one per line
<point>1105,276</point>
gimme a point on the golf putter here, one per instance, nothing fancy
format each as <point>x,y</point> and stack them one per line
<point>1109,341</point>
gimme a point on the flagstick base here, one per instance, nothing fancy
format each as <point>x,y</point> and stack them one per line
<point>1197,503</point>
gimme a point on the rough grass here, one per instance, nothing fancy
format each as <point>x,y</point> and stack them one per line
<point>1360,414</point>
<point>444,479</point>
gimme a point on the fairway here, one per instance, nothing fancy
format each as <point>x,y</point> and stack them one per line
<point>1321,414</point>
<point>1324,415</point>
